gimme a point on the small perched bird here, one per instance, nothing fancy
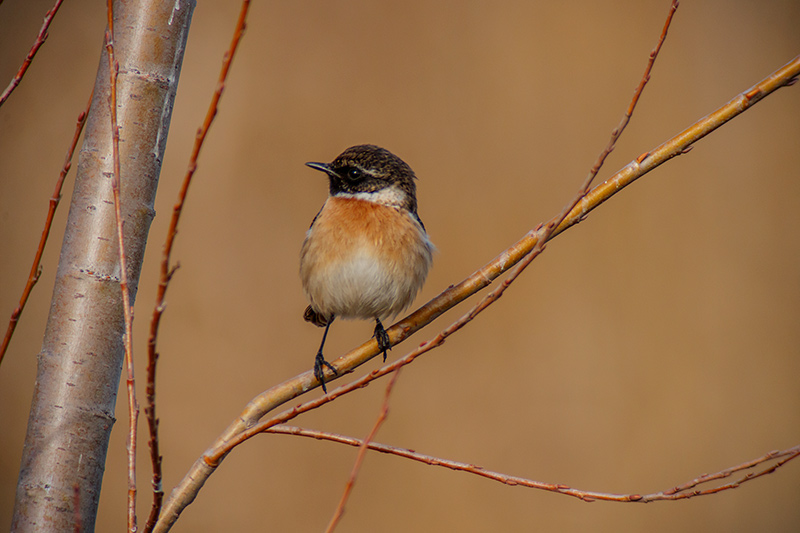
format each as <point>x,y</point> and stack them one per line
<point>366,253</point>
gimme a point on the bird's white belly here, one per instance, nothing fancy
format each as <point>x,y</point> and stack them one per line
<point>360,287</point>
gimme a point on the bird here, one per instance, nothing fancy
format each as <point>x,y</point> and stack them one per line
<point>366,253</point>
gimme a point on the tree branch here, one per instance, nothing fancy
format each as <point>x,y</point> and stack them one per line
<point>40,39</point>
<point>167,271</point>
<point>680,492</point>
<point>362,452</point>
<point>36,269</point>
<point>124,285</point>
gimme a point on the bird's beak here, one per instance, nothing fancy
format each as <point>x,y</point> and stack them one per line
<point>322,167</point>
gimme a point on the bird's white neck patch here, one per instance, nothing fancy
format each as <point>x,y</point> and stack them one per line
<point>391,196</point>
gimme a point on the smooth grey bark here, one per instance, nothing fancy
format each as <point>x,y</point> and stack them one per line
<point>79,367</point>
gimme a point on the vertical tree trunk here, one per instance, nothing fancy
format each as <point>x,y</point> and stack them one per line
<point>81,359</point>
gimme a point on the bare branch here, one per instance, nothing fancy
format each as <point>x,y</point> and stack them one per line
<point>167,271</point>
<point>127,306</point>
<point>617,132</point>
<point>362,452</point>
<point>40,39</point>
<point>36,269</point>
<point>677,493</point>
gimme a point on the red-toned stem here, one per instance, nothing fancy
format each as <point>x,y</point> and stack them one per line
<point>167,271</point>
<point>133,406</point>
<point>362,452</point>
<point>680,492</point>
<point>40,39</point>
<point>36,268</point>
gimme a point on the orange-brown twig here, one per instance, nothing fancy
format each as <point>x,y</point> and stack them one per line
<point>36,269</point>
<point>167,271</point>
<point>681,491</point>
<point>133,406</point>
<point>549,229</point>
<point>677,493</point>
<point>362,452</point>
<point>40,39</point>
<point>617,132</point>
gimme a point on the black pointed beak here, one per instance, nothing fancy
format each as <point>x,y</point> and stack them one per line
<point>324,167</point>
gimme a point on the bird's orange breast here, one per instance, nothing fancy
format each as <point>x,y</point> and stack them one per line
<point>361,259</point>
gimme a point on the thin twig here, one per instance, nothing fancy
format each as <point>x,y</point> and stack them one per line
<point>36,269</point>
<point>551,226</point>
<point>617,132</point>
<point>167,271</point>
<point>40,39</point>
<point>133,406</point>
<point>677,493</point>
<point>362,452</point>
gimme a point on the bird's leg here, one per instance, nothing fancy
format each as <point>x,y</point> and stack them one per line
<point>384,344</point>
<point>320,362</point>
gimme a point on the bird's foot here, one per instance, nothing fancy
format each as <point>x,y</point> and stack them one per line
<point>319,370</point>
<point>384,344</point>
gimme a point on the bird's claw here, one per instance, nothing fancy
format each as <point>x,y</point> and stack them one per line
<point>384,344</point>
<point>319,372</point>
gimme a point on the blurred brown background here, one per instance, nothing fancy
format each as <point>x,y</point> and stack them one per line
<point>654,342</point>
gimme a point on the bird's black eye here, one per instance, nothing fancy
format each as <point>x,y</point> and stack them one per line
<point>353,173</point>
